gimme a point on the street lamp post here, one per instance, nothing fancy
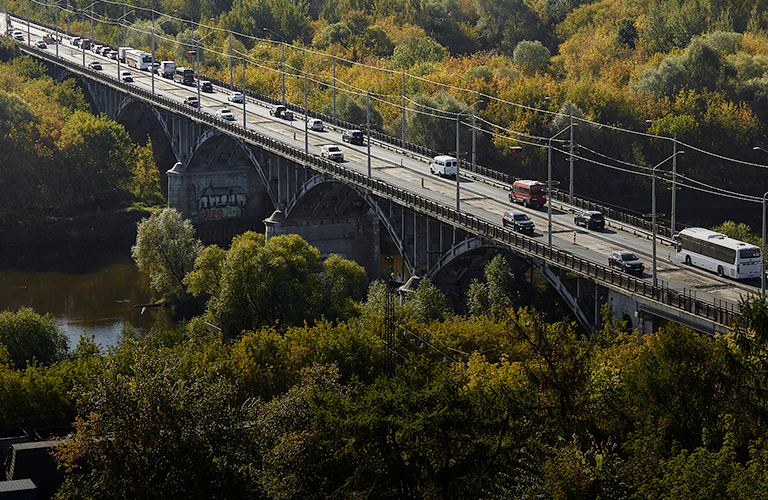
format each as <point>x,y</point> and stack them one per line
<point>762,250</point>
<point>306,108</point>
<point>368,119</point>
<point>152,63</point>
<point>282,60</point>
<point>653,213</point>
<point>474,127</point>
<point>673,210</point>
<point>402,116</point>
<point>197,62</point>
<point>762,253</point>
<point>549,184</point>
<point>117,42</point>
<point>458,157</point>
<point>82,41</point>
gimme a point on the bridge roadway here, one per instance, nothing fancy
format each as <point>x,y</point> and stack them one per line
<point>486,201</point>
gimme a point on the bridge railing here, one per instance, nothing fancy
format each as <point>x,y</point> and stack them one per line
<point>662,229</point>
<point>721,314</point>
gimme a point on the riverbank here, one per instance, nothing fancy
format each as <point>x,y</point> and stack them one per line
<point>100,226</point>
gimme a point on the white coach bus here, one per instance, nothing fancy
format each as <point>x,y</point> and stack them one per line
<point>138,59</point>
<point>718,253</point>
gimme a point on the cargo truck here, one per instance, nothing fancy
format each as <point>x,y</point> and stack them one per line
<point>167,68</point>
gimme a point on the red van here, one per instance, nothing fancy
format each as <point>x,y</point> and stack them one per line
<point>529,193</point>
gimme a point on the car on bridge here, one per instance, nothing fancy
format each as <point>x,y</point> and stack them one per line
<point>353,137</point>
<point>76,41</point>
<point>518,221</point>
<point>192,101</point>
<point>40,44</point>
<point>626,261</point>
<point>332,152</point>
<point>529,193</point>
<point>205,86</point>
<point>94,65</point>
<point>315,124</point>
<point>235,97</point>
<point>18,36</point>
<point>225,114</point>
<point>126,76</point>
<point>444,166</point>
<point>280,111</point>
<point>590,219</point>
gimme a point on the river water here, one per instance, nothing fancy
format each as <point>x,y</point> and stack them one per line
<point>89,288</point>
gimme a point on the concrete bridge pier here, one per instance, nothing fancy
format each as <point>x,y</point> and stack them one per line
<point>353,237</point>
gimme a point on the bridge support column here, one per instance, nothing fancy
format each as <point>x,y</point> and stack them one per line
<point>625,308</point>
<point>352,237</point>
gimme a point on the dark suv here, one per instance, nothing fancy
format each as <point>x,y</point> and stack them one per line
<point>626,261</point>
<point>518,221</point>
<point>590,219</point>
<point>353,137</point>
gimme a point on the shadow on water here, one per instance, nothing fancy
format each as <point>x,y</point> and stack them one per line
<point>89,288</point>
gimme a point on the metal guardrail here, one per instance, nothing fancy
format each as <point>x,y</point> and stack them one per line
<point>603,274</point>
<point>479,172</point>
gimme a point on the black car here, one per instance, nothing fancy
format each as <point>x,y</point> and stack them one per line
<point>518,221</point>
<point>205,86</point>
<point>626,261</point>
<point>590,219</point>
<point>353,137</point>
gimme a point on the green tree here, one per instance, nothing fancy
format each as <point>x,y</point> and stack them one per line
<point>30,337</point>
<point>343,281</point>
<point>302,456</point>
<point>431,130</point>
<point>166,249</point>
<point>497,294</point>
<point>39,396</point>
<point>626,33</point>
<point>738,231</point>
<point>158,424</point>
<point>531,56</point>
<point>417,48</point>
<point>427,303</point>
<point>20,195</point>
<point>348,109</point>
<point>679,385</point>
<point>145,184</point>
<point>280,282</point>
<point>98,157</point>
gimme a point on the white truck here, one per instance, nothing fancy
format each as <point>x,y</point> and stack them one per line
<point>121,52</point>
<point>167,69</point>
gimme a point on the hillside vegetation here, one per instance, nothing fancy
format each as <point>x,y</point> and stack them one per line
<point>633,75</point>
<point>695,68</point>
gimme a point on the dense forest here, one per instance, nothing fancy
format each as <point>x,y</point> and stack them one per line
<point>368,401</point>
<point>59,159</point>
<point>291,378</point>
<point>693,68</point>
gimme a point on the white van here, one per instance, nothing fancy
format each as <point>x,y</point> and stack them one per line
<point>444,166</point>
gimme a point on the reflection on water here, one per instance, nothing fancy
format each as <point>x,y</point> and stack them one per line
<point>90,289</point>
